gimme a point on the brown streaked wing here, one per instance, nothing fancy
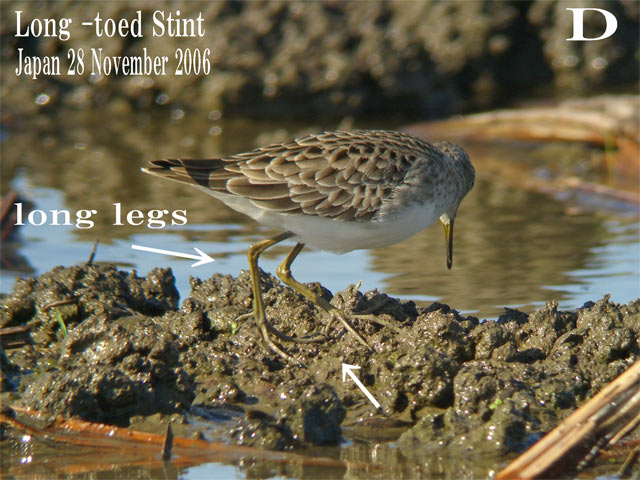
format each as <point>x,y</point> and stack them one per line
<point>341,175</point>
<point>351,168</point>
<point>206,173</point>
<point>245,187</point>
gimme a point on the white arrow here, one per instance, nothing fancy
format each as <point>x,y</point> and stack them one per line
<point>348,370</point>
<point>201,257</point>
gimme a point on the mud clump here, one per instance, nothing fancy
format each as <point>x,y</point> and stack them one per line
<point>442,379</point>
<point>115,361</point>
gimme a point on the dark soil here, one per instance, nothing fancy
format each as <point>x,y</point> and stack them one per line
<point>442,379</point>
<point>283,59</point>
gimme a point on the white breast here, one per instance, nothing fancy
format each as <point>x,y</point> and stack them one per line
<point>336,236</point>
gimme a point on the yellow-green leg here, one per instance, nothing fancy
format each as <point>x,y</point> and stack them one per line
<point>284,273</point>
<point>258,305</point>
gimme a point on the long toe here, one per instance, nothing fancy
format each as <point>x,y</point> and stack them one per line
<point>344,319</point>
<point>314,337</point>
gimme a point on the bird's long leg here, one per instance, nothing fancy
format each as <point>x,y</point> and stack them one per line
<point>284,273</point>
<point>258,305</point>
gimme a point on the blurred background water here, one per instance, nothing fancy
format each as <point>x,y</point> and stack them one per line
<point>513,247</point>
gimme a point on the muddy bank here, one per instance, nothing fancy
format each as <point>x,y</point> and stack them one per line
<point>132,357</point>
<point>294,58</point>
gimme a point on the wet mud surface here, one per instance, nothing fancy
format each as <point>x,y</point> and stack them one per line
<point>134,356</point>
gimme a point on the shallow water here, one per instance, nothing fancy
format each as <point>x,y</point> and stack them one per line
<point>513,248</point>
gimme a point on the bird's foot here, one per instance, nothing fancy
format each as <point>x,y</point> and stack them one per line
<point>267,330</point>
<point>314,337</point>
<point>346,318</point>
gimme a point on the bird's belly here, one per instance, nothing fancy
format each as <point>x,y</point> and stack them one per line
<point>324,233</point>
<point>341,237</point>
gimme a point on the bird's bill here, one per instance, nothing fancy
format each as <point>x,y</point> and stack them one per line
<point>447,225</point>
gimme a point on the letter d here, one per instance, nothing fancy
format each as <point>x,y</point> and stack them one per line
<point>578,23</point>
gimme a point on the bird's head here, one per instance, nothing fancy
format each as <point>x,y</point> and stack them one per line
<point>466,174</point>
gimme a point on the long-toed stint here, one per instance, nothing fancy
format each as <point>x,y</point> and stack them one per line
<point>337,191</point>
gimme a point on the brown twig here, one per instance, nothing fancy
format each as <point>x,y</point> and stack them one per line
<point>577,439</point>
<point>58,303</point>
<point>630,461</point>
<point>11,337</point>
<point>167,446</point>
<point>141,448</point>
<point>92,255</point>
